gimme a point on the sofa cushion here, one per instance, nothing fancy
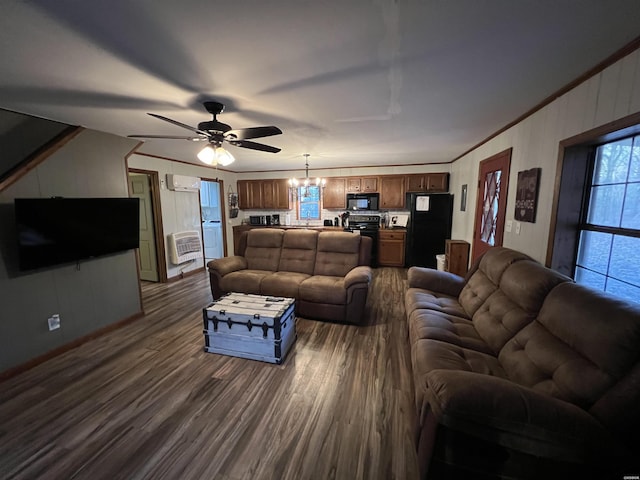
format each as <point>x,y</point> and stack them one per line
<point>428,355</point>
<point>324,289</point>
<point>437,325</point>
<point>486,279</point>
<point>417,298</point>
<point>282,284</point>
<point>580,346</point>
<point>337,253</point>
<point>263,249</point>
<point>522,289</point>
<point>298,251</point>
<point>245,281</point>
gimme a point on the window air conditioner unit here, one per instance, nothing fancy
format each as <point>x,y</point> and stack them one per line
<point>182,183</point>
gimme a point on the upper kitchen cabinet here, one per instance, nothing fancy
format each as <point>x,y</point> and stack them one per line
<point>437,182</point>
<point>392,190</point>
<point>334,194</point>
<point>275,194</point>
<point>249,194</point>
<point>416,183</point>
<point>427,182</point>
<point>362,184</point>
<point>263,194</point>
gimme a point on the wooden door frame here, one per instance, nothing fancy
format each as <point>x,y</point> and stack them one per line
<point>480,200</point>
<point>158,229</point>
<point>223,214</point>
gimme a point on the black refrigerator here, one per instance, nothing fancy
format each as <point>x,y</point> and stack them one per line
<point>428,227</point>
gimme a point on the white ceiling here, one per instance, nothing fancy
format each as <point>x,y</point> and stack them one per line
<point>351,82</point>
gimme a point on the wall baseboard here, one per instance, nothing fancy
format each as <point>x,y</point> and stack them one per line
<point>186,274</point>
<point>13,371</point>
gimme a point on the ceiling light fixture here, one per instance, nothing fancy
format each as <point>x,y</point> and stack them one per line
<point>213,154</point>
<point>294,183</point>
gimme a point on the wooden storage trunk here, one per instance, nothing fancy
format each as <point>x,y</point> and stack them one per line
<point>250,326</point>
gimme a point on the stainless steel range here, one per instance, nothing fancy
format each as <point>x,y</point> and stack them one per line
<point>367,225</point>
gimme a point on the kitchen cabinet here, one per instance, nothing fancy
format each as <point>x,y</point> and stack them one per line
<point>457,256</point>
<point>416,183</point>
<point>391,247</point>
<point>249,194</point>
<point>263,194</point>
<point>275,194</point>
<point>392,190</point>
<point>437,182</point>
<point>427,182</point>
<point>334,193</point>
<point>362,184</point>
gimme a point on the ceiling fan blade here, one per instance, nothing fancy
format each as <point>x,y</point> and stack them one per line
<point>179,124</point>
<point>171,137</point>
<point>252,132</point>
<point>254,146</point>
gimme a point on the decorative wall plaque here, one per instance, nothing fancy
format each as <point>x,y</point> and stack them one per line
<point>527,195</point>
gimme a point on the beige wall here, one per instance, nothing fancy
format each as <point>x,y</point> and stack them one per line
<point>610,95</point>
<point>87,297</point>
<point>181,210</point>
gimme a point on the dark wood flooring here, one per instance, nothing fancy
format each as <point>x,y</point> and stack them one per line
<point>146,402</point>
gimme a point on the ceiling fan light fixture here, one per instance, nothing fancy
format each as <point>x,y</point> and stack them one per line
<point>214,155</point>
<point>224,157</point>
<point>207,155</point>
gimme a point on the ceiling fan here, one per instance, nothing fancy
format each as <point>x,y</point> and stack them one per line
<point>215,133</point>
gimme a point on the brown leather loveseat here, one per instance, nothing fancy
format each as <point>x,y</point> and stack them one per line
<point>521,373</point>
<point>328,273</point>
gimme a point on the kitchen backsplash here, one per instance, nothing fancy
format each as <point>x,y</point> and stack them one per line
<point>326,215</point>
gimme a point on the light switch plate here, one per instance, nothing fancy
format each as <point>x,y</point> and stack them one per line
<point>508,225</point>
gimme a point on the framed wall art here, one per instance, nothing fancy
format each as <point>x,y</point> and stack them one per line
<point>527,195</point>
<point>463,198</point>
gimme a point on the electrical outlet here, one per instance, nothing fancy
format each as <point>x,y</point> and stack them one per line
<point>517,228</point>
<point>54,322</point>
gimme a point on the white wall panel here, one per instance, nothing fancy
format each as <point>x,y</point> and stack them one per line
<point>535,140</point>
<point>624,91</point>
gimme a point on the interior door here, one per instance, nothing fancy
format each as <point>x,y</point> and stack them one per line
<point>491,204</point>
<point>140,187</point>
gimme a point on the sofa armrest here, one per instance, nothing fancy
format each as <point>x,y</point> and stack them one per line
<point>435,281</point>
<point>361,274</point>
<point>226,265</point>
<point>517,417</point>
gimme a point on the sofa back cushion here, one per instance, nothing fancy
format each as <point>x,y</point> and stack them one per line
<point>582,345</point>
<point>516,302</point>
<point>486,279</point>
<point>263,248</point>
<point>298,251</point>
<point>338,253</point>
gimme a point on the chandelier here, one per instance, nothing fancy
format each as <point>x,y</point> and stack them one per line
<point>214,154</point>
<point>294,183</point>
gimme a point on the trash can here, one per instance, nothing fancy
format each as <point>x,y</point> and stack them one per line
<point>441,262</point>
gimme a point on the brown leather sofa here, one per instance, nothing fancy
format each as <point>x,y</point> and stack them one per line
<point>521,373</point>
<point>328,273</point>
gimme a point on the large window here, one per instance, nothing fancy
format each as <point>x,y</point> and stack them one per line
<point>608,255</point>
<point>309,203</point>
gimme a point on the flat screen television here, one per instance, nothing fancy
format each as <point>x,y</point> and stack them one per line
<point>53,231</point>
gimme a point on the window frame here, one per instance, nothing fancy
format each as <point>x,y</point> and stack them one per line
<point>576,160</point>
<point>299,202</point>
<point>614,231</point>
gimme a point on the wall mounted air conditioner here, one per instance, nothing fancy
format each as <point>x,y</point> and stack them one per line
<point>183,183</point>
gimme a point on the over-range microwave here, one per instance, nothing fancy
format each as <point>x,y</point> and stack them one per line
<point>362,201</point>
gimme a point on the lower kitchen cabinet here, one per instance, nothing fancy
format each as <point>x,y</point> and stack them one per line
<point>391,247</point>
